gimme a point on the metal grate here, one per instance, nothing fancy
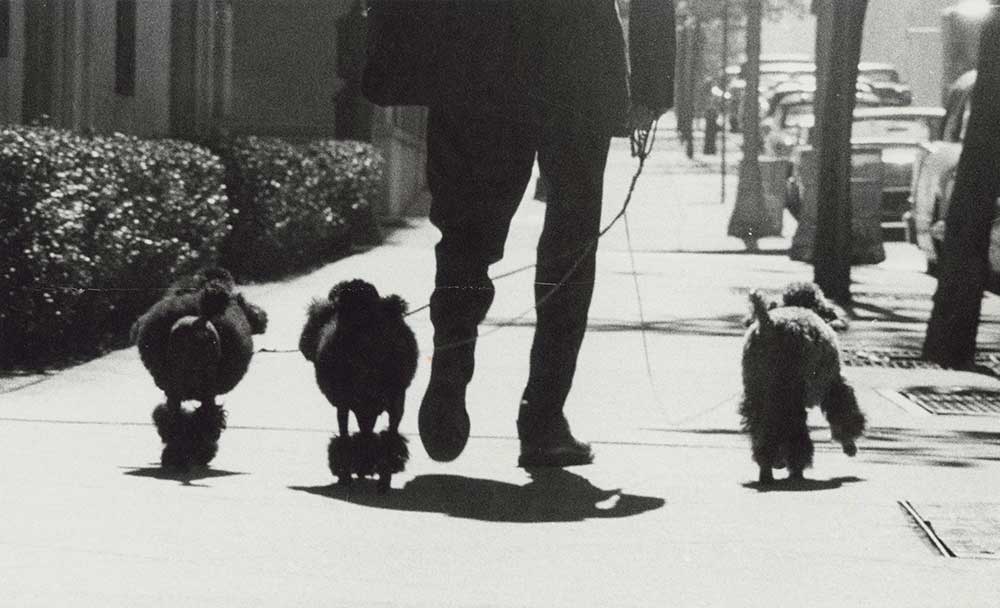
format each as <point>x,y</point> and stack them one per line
<point>906,358</point>
<point>954,400</point>
<point>898,358</point>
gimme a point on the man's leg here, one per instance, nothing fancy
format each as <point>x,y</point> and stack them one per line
<point>574,162</point>
<point>477,172</point>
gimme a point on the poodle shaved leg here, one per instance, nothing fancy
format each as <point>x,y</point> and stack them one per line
<point>340,456</point>
<point>766,476</point>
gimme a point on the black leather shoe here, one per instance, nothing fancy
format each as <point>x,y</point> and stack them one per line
<point>443,422</point>
<point>552,445</point>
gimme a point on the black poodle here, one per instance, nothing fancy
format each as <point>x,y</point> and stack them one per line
<point>196,343</point>
<point>791,362</point>
<point>365,358</point>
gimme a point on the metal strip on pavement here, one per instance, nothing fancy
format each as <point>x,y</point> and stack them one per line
<point>927,528</point>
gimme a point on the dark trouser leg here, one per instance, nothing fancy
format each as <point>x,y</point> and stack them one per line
<point>477,171</point>
<point>574,163</point>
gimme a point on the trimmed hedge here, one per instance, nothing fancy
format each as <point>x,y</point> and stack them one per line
<point>298,205</point>
<point>93,228</point>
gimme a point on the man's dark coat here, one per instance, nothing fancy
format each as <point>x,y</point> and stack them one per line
<point>542,61</point>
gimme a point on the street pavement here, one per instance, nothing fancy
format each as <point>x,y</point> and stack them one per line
<point>668,515</point>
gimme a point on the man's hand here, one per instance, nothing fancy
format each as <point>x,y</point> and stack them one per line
<point>640,118</point>
<point>640,123</point>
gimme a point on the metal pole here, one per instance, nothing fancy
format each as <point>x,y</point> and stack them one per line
<point>725,87</point>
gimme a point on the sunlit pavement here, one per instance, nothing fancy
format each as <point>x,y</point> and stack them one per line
<point>667,516</point>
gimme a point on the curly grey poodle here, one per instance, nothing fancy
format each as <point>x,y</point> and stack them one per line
<point>791,362</point>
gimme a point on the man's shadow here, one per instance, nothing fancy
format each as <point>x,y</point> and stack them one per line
<point>185,478</point>
<point>553,495</point>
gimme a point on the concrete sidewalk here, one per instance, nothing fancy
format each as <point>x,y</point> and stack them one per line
<point>667,516</point>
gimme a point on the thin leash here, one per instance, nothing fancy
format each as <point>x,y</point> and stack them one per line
<point>641,144</point>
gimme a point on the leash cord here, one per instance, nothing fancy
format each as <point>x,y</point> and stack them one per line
<point>641,143</point>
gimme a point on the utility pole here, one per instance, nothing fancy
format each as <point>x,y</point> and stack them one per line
<point>839,28</point>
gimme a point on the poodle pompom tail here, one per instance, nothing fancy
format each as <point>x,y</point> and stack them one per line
<point>214,300</point>
<point>393,451</point>
<point>760,309</point>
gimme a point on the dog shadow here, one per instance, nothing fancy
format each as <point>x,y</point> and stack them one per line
<point>552,495</point>
<point>802,485</point>
<point>185,478</point>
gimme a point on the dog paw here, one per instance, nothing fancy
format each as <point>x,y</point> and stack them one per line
<point>849,448</point>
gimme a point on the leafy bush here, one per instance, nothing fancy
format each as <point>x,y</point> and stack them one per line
<point>298,205</point>
<point>93,228</point>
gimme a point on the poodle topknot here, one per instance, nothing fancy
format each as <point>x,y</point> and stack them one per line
<point>791,362</point>
<point>365,357</point>
<point>196,342</point>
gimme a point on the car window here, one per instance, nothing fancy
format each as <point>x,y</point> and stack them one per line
<point>880,75</point>
<point>799,116</point>
<point>892,129</point>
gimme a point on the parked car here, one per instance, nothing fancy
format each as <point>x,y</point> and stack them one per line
<point>890,138</point>
<point>934,179</point>
<point>801,84</point>
<point>771,73</point>
<point>885,82</point>
<point>789,124</point>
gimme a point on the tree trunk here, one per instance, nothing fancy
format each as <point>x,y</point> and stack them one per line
<point>747,220</point>
<point>840,24</point>
<point>964,266</point>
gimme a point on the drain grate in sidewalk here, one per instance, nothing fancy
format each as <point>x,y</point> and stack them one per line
<point>967,530</point>
<point>954,400</point>
<point>899,358</point>
<point>907,358</point>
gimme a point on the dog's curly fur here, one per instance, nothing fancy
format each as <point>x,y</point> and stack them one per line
<point>806,294</point>
<point>791,362</point>
<point>196,342</point>
<point>365,357</point>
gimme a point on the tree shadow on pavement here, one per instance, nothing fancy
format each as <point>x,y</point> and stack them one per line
<point>801,485</point>
<point>185,478</point>
<point>553,495</point>
<point>957,449</point>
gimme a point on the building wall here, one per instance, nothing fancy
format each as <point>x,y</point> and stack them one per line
<point>147,112</point>
<point>12,66</point>
<point>285,66</point>
<point>907,33</point>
